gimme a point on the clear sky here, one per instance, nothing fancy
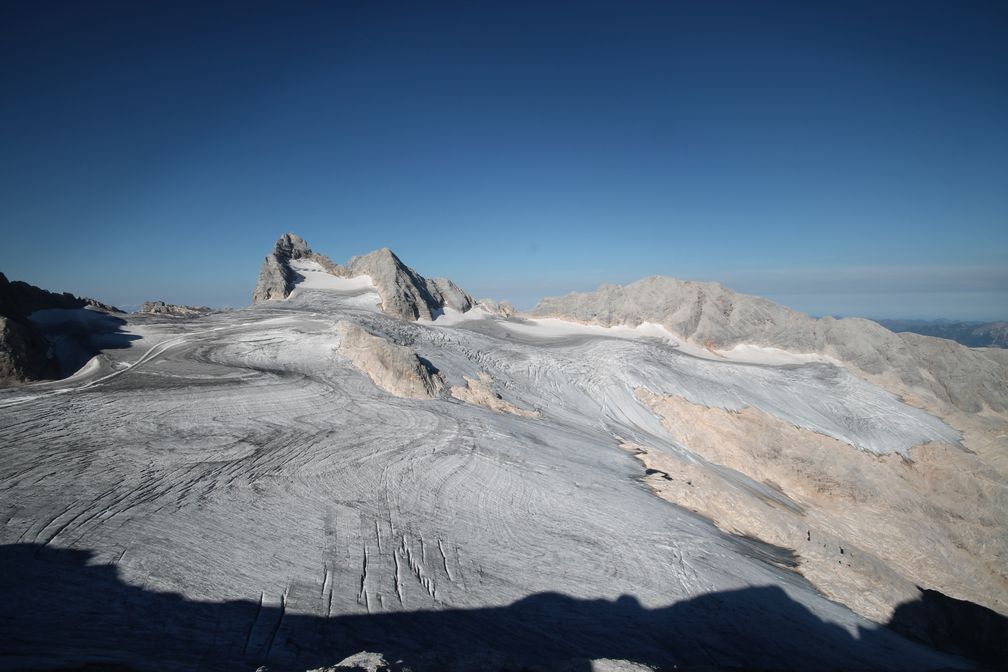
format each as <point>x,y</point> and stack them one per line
<point>839,157</point>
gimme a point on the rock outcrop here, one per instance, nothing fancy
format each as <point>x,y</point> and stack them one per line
<point>478,392</point>
<point>276,279</point>
<point>494,307</point>
<point>404,293</point>
<point>934,530</point>
<point>25,353</point>
<point>19,300</point>
<point>162,308</point>
<point>708,314</point>
<point>391,367</point>
<point>450,294</point>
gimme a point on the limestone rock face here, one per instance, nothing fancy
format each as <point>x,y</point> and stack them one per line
<point>391,367</point>
<point>494,307</point>
<point>404,293</point>
<point>479,392</point>
<point>709,314</point>
<point>24,353</point>
<point>18,300</point>
<point>452,296</point>
<point>162,308</point>
<point>276,279</point>
<point>934,529</point>
<point>292,246</point>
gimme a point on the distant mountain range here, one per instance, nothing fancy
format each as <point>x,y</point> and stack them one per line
<point>972,334</point>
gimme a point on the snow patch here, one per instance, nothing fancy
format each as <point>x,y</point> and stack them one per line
<point>451,316</point>
<point>757,354</point>
<point>314,276</point>
<point>551,327</point>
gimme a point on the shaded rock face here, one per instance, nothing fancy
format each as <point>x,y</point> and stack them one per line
<point>18,300</point>
<point>162,308</point>
<point>707,313</point>
<point>292,246</point>
<point>391,367</point>
<point>451,295</point>
<point>404,293</point>
<point>276,279</point>
<point>25,353</point>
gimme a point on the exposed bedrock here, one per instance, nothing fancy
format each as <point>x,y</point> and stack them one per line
<point>867,528</point>
<point>24,353</point>
<point>19,300</point>
<point>276,279</point>
<point>404,293</point>
<point>479,392</point>
<point>162,308</point>
<point>27,349</point>
<point>391,367</point>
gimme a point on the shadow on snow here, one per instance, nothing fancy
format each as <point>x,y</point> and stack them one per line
<point>60,611</point>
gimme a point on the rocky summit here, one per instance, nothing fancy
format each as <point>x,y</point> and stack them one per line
<point>404,292</point>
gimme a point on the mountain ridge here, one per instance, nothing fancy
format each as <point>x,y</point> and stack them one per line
<point>404,292</point>
<point>969,333</point>
<point>709,314</point>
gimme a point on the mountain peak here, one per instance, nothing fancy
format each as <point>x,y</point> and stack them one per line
<point>291,246</point>
<point>404,293</point>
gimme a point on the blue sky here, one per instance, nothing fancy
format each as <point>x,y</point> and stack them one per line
<point>839,157</point>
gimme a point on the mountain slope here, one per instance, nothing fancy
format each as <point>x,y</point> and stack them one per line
<point>709,314</point>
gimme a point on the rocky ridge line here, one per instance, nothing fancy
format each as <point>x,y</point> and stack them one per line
<point>708,314</point>
<point>404,293</point>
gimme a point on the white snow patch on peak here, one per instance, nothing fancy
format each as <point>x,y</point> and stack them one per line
<point>758,354</point>
<point>450,316</point>
<point>552,327</point>
<point>316,277</point>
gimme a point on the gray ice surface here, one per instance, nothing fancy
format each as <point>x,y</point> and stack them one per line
<point>229,491</point>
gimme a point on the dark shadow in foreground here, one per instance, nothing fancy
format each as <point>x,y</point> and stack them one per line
<point>58,611</point>
<point>75,336</point>
<point>955,626</point>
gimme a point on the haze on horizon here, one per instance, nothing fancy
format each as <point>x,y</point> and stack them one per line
<point>840,158</point>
